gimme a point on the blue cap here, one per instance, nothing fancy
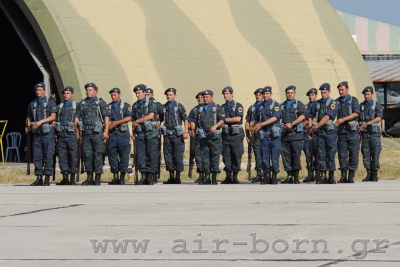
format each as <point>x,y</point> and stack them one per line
<point>207,92</point>
<point>139,87</point>
<point>199,94</point>
<point>115,90</point>
<point>149,90</point>
<point>290,87</point>
<point>325,86</point>
<point>368,89</point>
<point>267,89</point>
<point>227,89</point>
<point>170,90</point>
<point>91,85</point>
<point>68,88</point>
<point>344,83</point>
<point>312,91</point>
<point>39,85</point>
<point>258,91</point>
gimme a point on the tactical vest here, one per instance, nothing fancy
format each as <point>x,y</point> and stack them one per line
<point>62,117</point>
<point>209,119</point>
<point>229,115</point>
<point>142,110</point>
<point>321,110</point>
<point>268,114</point>
<point>172,120</point>
<point>347,110</point>
<point>89,115</point>
<point>45,111</point>
<point>121,109</point>
<point>368,114</point>
<point>290,115</point>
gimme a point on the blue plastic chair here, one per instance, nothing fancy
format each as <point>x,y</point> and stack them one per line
<point>15,141</point>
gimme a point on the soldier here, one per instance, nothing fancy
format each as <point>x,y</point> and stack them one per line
<point>348,133</point>
<point>66,137</point>
<point>145,133</point>
<point>41,113</point>
<point>209,120</point>
<point>251,117</point>
<point>193,115</point>
<point>311,156</point>
<point>232,137</point>
<point>292,112</point>
<point>268,130</point>
<point>325,114</point>
<point>93,119</point>
<point>370,116</point>
<point>173,115</point>
<point>118,144</point>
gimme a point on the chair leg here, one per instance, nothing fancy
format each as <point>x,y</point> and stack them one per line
<point>18,155</point>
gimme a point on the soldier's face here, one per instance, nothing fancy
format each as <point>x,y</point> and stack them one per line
<point>91,92</point>
<point>343,91</point>
<point>200,100</point>
<point>149,95</point>
<point>290,94</point>
<point>267,96</point>
<point>368,96</point>
<point>115,97</point>
<point>312,97</point>
<point>228,96</point>
<point>325,93</point>
<point>259,97</point>
<point>208,99</point>
<point>170,96</point>
<point>68,95</point>
<point>140,94</point>
<point>40,92</point>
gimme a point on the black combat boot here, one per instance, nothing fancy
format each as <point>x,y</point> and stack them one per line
<point>289,178</point>
<point>64,181</point>
<point>155,178</point>
<point>46,180</point>
<point>374,176</point>
<point>72,179</point>
<point>316,175</point>
<point>258,178</point>
<point>267,178</point>
<point>228,179</point>
<point>98,179</point>
<point>343,177</point>
<point>115,180</point>
<point>38,181</point>
<point>171,179</point>
<point>150,178</point>
<point>274,180</point>
<point>143,180</point>
<point>310,176</point>
<point>214,178</point>
<point>89,180</point>
<point>235,179</point>
<point>322,179</point>
<point>351,177</point>
<point>177,177</point>
<point>122,178</point>
<point>201,176</point>
<point>206,179</point>
<point>331,179</point>
<point>368,177</point>
<point>296,177</point>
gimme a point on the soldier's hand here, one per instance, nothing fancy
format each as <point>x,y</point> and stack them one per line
<point>363,126</point>
<point>310,137</point>
<point>105,136</point>
<point>27,129</point>
<point>212,129</point>
<point>113,125</point>
<point>339,121</point>
<point>248,140</point>
<point>37,125</point>
<point>192,133</point>
<point>185,136</point>
<point>287,126</point>
<point>133,137</point>
<point>313,129</point>
<point>256,128</point>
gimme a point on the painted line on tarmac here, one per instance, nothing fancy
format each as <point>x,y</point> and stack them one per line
<point>41,210</point>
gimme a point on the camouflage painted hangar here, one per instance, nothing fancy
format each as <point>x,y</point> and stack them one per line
<point>191,45</point>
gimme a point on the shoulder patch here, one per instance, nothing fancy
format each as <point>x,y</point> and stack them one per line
<point>130,109</point>
<point>154,105</point>
<point>223,115</point>
<point>240,109</point>
<point>333,106</point>
<point>276,109</point>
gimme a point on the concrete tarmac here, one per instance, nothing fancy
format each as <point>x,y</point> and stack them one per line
<point>191,225</point>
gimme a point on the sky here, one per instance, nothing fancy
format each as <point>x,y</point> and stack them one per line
<point>381,10</point>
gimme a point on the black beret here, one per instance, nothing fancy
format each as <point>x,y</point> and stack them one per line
<point>227,89</point>
<point>68,88</point>
<point>267,89</point>
<point>170,90</point>
<point>199,94</point>
<point>39,85</point>
<point>139,87</point>
<point>115,90</point>
<point>207,92</point>
<point>149,90</point>
<point>290,87</point>
<point>325,86</point>
<point>368,89</point>
<point>312,91</point>
<point>258,91</point>
<point>344,83</point>
<point>91,85</point>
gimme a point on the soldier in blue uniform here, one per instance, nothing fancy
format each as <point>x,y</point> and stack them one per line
<point>193,115</point>
<point>92,117</point>
<point>118,144</point>
<point>348,133</point>
<point>268,129</point>
<point>209,120</point>
<point>41,113</point>
<point>292,114</point>
<point>326,131</point>
<point>251,117</point>
<point>145,133</point>
<point>173,115</point>
<point>232,137</point>
<point>370,116</point>
<point>67,144</point>
<point>311,156</point>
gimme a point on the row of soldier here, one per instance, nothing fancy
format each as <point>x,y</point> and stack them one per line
<point>320,128</point>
